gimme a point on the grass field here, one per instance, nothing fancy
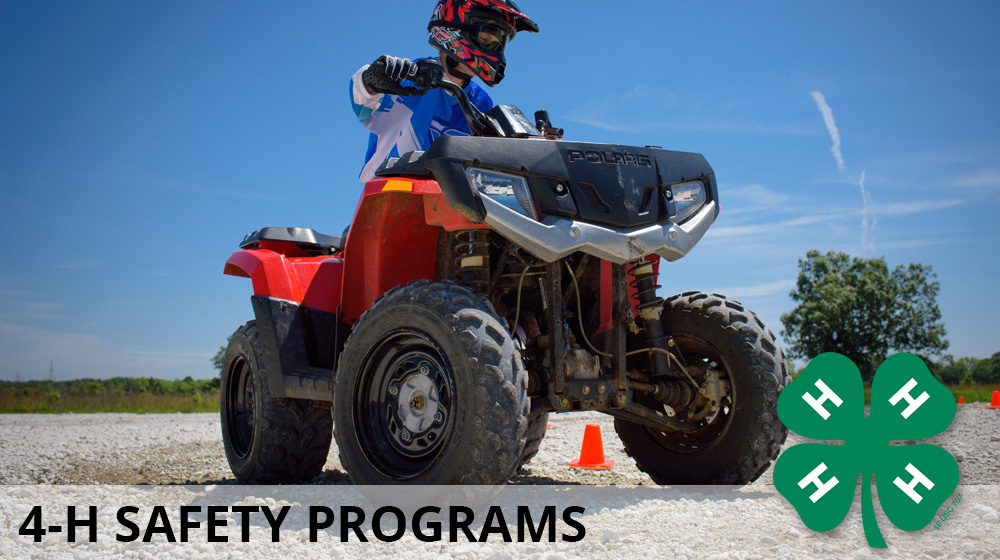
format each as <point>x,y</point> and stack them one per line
<point>975,393</point>
<point>137,395</point>
<point>158,396</point>
<point>82,404</point>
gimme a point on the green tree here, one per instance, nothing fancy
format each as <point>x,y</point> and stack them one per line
<point>952,372</point>
<point>987,371</point>
<point>859,308</point>
<point>792,371</point>
<point>220,356</point>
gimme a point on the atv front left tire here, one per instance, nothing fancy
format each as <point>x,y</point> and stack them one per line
<point>430,389</point>
<point>267,440</point>
<point>537,426</point>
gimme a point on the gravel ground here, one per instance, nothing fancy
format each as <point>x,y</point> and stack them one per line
<point>37,451</point>
<point>187,449</point>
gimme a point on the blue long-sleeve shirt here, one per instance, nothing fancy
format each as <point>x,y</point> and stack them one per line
<point>401,124</point>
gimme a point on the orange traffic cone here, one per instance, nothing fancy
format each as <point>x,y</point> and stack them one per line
<point>995,403</point>
<point>592,453</point>
<point>961,400</point>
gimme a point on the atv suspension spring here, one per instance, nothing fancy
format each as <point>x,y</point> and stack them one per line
<point>649,307</point>
<point>645,287</point>
<point>472,260</point>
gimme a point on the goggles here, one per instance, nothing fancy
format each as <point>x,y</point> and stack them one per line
<point>489,35</point>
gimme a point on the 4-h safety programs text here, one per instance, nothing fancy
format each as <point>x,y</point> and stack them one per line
<point>346,523</point>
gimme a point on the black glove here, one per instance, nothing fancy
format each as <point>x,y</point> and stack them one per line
<point>385,74</point>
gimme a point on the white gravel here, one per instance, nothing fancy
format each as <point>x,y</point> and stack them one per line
<point>40,453</point>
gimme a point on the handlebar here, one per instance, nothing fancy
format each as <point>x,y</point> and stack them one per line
<point>430,75</point>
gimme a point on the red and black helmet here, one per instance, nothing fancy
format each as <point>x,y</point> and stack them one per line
<point>476,32</point>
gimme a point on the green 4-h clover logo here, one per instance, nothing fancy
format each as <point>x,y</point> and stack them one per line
<point>827,402</point>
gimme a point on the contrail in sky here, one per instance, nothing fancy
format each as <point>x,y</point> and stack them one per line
<point>831,126</point>
<point>867,221</point>
<point>866,224</point>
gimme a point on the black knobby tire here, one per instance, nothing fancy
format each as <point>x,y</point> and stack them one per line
<point>537,425</point>
<point>430,347</point>
<point>267,440</point>
<point>740,443</point>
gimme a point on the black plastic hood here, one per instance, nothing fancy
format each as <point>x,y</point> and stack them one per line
<point>619,186</point>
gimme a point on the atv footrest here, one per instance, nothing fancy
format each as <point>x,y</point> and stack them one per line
<point>310,383</point>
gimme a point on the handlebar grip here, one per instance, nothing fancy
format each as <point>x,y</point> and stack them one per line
<point>377,80</point>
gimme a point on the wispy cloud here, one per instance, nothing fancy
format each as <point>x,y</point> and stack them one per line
<point>907,208</point>
<point>29,351</point>
<point>989,179</point>
<point>7,293</point>
<point>756,193</point>
<point>869,214</point>
<point>616,113</point>
<point>77,264</point>
<point>646,126</point>
<point>203,190</point>
<point>774,228</point>
<point>831,127</point>
<point>757,290</point>
<point>23,307</point>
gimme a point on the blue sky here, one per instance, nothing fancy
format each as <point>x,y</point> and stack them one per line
<point>139,142</point>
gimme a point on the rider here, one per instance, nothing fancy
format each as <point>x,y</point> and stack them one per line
<point>472,36</point>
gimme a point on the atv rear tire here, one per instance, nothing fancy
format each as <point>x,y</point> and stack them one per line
<point>430,389</point>
<point>742,440</point>
<point>267,441</point>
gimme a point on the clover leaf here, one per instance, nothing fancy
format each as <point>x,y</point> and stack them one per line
<point>826,402</point>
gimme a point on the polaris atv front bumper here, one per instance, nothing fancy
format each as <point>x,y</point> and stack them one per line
<point>553,238</point>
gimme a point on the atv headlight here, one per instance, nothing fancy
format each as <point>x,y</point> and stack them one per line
<point>688,198</point>
<point>509,190</point>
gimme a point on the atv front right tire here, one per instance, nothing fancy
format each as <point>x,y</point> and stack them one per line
<point>430,389</point>
<point>739,443</point>
<point>267,441</point>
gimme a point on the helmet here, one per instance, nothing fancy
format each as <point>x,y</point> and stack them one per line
<point>475,33</point>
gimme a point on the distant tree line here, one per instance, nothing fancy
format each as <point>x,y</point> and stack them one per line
<point>115,386</point>
<point>967,370</point>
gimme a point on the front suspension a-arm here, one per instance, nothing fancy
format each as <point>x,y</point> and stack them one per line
<point>639,414</point>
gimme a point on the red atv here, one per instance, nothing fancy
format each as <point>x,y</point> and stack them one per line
<point>483,284</point>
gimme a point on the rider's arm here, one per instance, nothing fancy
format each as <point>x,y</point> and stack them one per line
<point>384,76</point>
<point>363,101</point>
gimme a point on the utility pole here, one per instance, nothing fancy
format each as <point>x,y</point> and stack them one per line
<point>18,377</point>
<point>52,370</point>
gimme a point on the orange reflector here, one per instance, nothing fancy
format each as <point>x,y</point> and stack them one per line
<point>398,186</point>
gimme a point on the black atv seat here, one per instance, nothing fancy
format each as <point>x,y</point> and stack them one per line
<point>306,238</point>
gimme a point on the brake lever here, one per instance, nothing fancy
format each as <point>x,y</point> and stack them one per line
<point>429,74</point>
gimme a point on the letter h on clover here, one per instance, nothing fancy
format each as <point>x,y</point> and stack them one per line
<point>827,402</point>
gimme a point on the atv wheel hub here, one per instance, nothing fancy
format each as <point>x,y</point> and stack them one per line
<point>418,401</point>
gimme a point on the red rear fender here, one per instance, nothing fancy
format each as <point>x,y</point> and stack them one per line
<point>311,281</point>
